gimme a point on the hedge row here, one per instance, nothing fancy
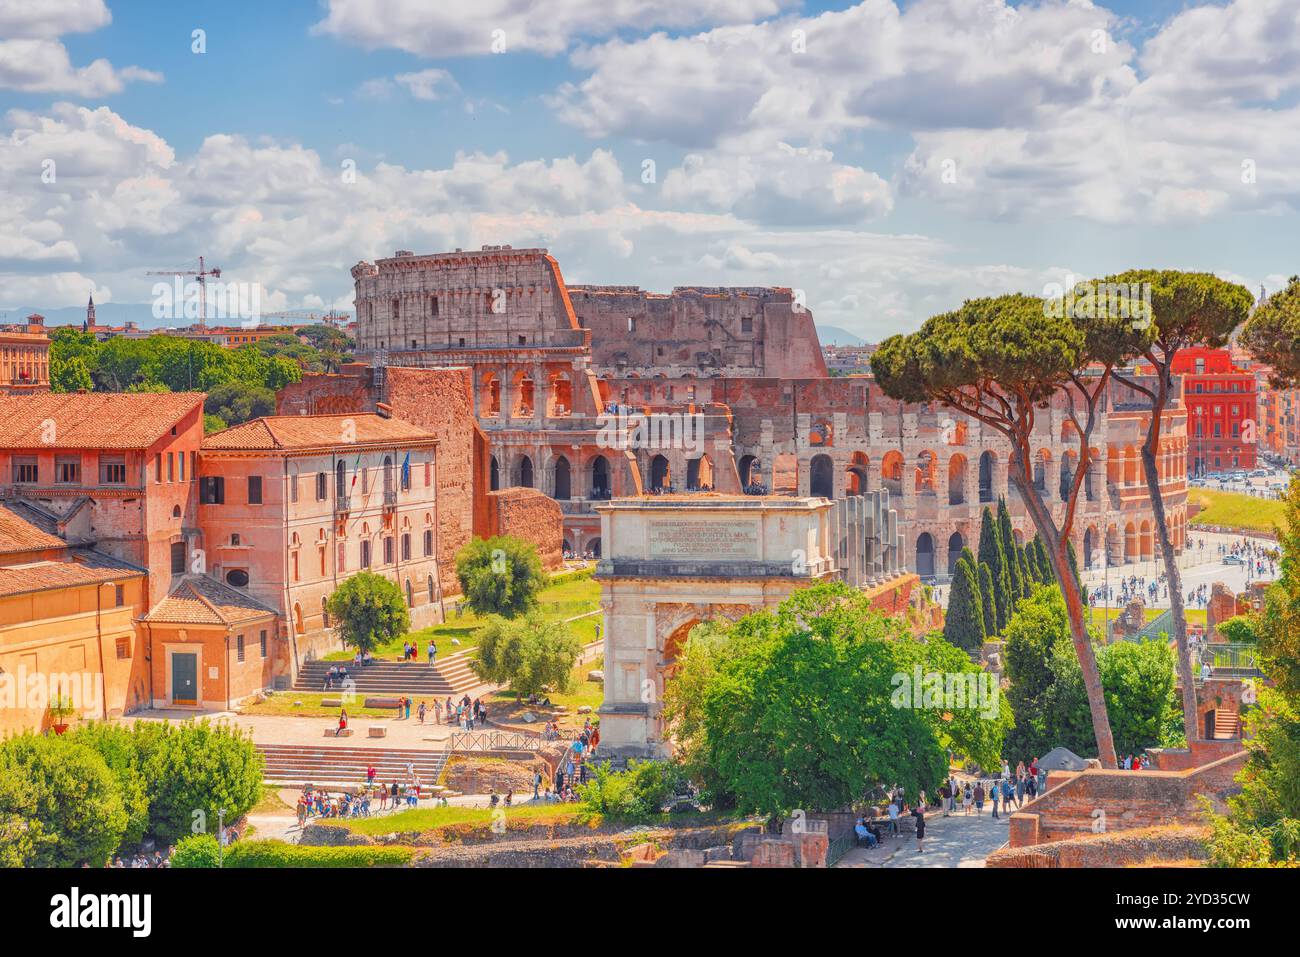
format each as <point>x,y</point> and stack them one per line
<point>279,854</point>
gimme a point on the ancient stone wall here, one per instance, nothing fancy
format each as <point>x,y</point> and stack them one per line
<point>528,514</point>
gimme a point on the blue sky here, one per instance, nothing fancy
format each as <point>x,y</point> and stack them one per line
<point>906,157</point>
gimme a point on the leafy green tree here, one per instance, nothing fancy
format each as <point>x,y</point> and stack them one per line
<point>73,796</point>
<point>988,601</point>
<point>1046,686</point>
<point>1187,309</point>
<point>1262,824</point>
<point>21,831</point>
<point>70,374</point>
<point>1000,361</point>
<point>236,402</point>
<point>1240,629</point>
<point>117,745</point>
<point>194,771</point>
<point>368,610</point>
<point>213,423</point>
<point>637,794</point>
<point>799,713</point>
<point>500,576</point>
<point>963,624</point>
<point>530,654</point>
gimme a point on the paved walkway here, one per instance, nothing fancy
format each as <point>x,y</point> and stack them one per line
<point>286,729</point>
<point>956,841</point>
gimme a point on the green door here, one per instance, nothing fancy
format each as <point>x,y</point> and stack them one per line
<point>185,678</point>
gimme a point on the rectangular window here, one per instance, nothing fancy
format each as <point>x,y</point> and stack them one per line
<point>746,326</point>
<point>212,490</point>
<point>365,554</point>
<point>178,558</point>
<point>428,474</point>
<point>119,596</point>
<point>67,470</point>
<point>157,467</point>
<point>406,548</point>
<point>180,464</point>
<point>428,542</point>
<point>388,551</point>
<point>123,649</point>
<point>342,559</point>
<point>239,647</point>
<point>261,640</point>
<point>171,467</point>
<point>112,470</point>
<point>255,490</point>
<point>25,469</point>
<point>321,486</point>
<point>293,488</point>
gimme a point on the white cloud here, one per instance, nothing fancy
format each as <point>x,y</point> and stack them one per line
<point>446,29</point>
<point>51,18</point>
<point>32,60</point>
<point>431,84</point>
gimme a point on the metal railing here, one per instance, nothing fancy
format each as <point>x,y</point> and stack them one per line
<point>1232,659</point>
<point>494,740</point>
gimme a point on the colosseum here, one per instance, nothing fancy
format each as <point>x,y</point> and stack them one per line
<point>734,382</point>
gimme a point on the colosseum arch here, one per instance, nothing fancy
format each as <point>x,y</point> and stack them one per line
<point>957,479</point>
<point>1042,461</point>
<point>1145,547</point>
<point>522,391</point>
<point>927,469</point>
<point>699,473</point>
<point>1069,463</point>
<point>750,470</point>
<point>857,472</point>
<point>489,397</point>
<point>494,475</point>
<point>821,476</point>
<point>661,476</point>
<point>561,479</point>
<point>1089,545</point>
<point>955,545</point>
<point>523,472</point>
<point>891,472</point>
<point>821,434</point>
<point>1130,543</point>
<point>925,555</point>
<point>987,462</point>
<point>559,395</point>
<point>599,486</point>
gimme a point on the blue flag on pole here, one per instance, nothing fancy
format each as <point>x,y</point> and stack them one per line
<point>406,471</point>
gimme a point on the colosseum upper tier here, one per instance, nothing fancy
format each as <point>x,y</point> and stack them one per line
<point>733,383</point>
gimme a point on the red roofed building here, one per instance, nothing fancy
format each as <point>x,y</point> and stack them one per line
<point>115,470</point>
<point>1222,412</point>
<point>290,506</point>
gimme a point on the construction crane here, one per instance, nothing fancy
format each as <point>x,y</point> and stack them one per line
<point>202,274</point>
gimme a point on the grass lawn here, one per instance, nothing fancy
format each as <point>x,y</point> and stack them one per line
<point>283,703</point>
<point>1234,510</point>
<point>426,819</point>
<point>502,705</point>
<point>565,600</point>
<point>1195,616</point>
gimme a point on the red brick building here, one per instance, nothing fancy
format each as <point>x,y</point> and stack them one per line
<point>1221,399</point>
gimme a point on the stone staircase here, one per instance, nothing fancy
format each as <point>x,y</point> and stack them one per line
<point>450,676</point>
<point>293,765</point>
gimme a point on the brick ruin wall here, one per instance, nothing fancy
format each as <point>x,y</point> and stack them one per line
<point>532,516</point>
<point>1128,800</point>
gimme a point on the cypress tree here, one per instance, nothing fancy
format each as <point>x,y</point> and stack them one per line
<point>1014,562</point>
<point>1026,573</point>
<point>988,601</point>
<point>991,554</point>
<point>963,625</point>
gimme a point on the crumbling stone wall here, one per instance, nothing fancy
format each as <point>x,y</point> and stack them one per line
<point>528,514</point>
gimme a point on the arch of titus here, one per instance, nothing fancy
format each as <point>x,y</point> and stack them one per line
<point>671,562</point>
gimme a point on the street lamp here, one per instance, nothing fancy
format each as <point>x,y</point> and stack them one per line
<point>1200,436</point>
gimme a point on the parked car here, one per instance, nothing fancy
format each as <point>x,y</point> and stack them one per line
<point>1233,560</point>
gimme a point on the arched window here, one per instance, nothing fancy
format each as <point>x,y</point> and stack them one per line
<point>563,489</point>
<point>821,476</point>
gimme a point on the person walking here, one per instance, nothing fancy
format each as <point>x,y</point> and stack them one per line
<point>979,798</point>
<point>966,798</point>
<point>918,812</point>
<point>993,797</point>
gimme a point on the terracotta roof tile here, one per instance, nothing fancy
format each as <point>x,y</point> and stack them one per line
<point>19,535</point>
<point>92,420</point>
<point>200,600</point>
<point>295,432</point>
<point>42,576</point>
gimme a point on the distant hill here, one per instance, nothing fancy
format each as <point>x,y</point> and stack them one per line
<point>835,336</point>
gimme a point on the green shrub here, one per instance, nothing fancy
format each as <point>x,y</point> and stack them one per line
<point>638,793</point>
<point>68,789</point>
<point>280,854</point>
<point>197,850</point>
<point>368,611</point>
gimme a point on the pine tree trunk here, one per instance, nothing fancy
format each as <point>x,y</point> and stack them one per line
<point>1056,546</point>
<point>1186,676</point>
